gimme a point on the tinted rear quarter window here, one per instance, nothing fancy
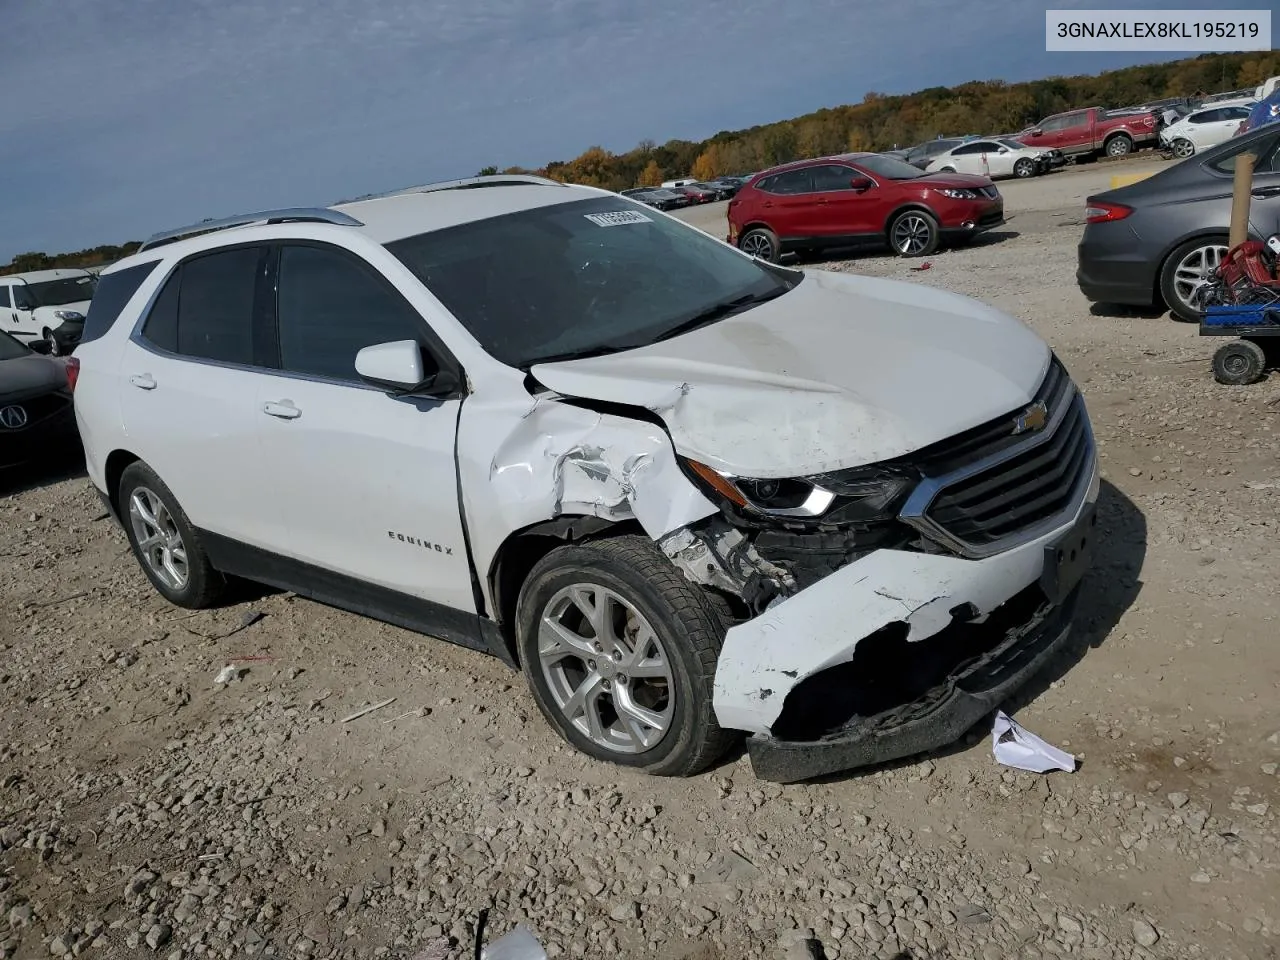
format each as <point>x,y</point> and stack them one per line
<point>114,291</point>
<point>4,298</point>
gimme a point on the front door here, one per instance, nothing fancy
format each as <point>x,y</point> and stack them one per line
<point>839,210</point>
<point>366,484</point>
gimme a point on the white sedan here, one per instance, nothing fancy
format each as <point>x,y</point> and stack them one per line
<point>989,158</point>
<point>1202,129</point>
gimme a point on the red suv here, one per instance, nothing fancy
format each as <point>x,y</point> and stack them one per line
<point>859,199</point>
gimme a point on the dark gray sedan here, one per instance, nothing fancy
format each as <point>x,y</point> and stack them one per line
<point>1156,240</point>
<point>37,420</point>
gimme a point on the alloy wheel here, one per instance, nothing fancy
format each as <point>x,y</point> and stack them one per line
<point>606,668</point>
<point>1183,148</point>
<point>911,234</point>
<point>1194,270</point>
<point>159,541</point>
<point>757,245</point>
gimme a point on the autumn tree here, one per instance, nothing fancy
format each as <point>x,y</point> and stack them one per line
<point>650,176</point>
<point>710,164</point>
<point>487,172</point>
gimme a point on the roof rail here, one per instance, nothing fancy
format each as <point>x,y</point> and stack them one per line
<point>471,183</point>
<point>286,215</point>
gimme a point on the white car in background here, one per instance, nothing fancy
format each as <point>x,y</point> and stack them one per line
<point>1202,129</point>
<point>993,158</point>
<point>46,305</point>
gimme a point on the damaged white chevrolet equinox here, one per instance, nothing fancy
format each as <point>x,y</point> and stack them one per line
<point>689,493</point>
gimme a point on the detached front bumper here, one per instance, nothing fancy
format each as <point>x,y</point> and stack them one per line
<point>899,652</point>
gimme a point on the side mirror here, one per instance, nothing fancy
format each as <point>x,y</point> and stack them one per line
<point>43,347</point>
<point>22,303</point>
<point>398,368</point>
<point>860,184</point>
<point>1037,132</point>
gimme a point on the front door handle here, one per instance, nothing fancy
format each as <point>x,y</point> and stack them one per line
<point>282,409</point>
<point>143,381</point>
<point>1262,193</point>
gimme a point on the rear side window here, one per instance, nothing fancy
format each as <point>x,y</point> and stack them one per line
<point>1266,150</point>
<point>206,309</point>
<point>794,181</point>
<point>330,307</point>
<point>4,298</point>
<point>114,291</point>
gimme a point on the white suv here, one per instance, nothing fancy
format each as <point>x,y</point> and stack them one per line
<point>687,492</point>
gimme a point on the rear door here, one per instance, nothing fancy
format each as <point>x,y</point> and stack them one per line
<point>789,204</point>
<point>971,158</point>
<point>189,389</point>
<point>1073,133</point>
<point>1264,203</point>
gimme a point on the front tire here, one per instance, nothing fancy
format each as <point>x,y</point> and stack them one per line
<point>762,243</point>
<point>914,233</point>
<point>164,542</point>
<point>619,649</point>
<point>55,348</point>
<point>1024,168</point>
<point>1239,363</point>
<point>1183,148</point>
<point>1184,270</point>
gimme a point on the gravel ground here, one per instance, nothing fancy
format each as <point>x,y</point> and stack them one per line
<point>148,811</point>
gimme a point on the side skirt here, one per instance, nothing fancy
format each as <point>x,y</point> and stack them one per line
<point>347,593</point>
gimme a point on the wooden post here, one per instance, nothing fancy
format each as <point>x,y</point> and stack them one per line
<point>1240,198</point>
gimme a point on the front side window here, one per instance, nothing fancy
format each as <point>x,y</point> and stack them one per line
<point>1266,150</point>
<point>584,278</point>
<point>329,307</point>
<point>205,310</point>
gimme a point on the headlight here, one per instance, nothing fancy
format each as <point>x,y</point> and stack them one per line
<point>68,314</point>
<point>958,193</point>
<point>863,495</point>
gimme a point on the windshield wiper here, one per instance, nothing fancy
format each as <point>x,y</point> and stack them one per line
<point>718,311</point>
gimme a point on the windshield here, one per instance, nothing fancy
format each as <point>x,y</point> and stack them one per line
<point>583,278</point>
<point>888,168</point>
<point>54,293</point>
<point>11,349</point>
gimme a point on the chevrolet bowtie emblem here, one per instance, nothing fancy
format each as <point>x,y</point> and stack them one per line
<point>1031,420</point>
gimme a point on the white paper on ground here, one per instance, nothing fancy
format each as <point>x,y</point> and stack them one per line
<point>1016,747</point>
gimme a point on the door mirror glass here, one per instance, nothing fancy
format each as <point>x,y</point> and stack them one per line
<point>399,368</point>
<point>860,184</point>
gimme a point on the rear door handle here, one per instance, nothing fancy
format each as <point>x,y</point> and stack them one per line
<point>143,381</point>
<point>281,409</point>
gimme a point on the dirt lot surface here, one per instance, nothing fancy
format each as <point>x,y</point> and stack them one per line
<point>148,811</point>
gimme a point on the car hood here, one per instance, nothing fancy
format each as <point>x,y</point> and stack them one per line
<point>952,180</point>
<point>839,372</point>
<point>46,314</point>
<point>30,376</point>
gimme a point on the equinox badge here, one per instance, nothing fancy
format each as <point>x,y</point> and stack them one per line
<point>1031,420</point>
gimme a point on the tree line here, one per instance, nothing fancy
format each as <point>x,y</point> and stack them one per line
<point>879,122</point>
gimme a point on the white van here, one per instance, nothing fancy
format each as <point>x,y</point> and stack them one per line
<point>47,305</point>
<point>684,182</point>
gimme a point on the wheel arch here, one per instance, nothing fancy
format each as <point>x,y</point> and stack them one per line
<point>1115,135</point>
<point>521,551</point>
<point>903,208</point>
<point>113,469</point>
<point>1200,233</point>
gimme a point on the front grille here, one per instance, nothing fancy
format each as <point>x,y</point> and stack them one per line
<point>990,487</point>
<point>990,192</point>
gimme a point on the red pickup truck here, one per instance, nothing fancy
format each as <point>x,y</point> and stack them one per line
<point>1085,133</point>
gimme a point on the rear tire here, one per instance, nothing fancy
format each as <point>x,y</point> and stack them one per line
<point>661,721</point>
<point>1239,363</point>
<point>164,542</point>
<point>1179,274</point>
<point>760,242</point>
<point>1119,146</point>
<point>914,233</point>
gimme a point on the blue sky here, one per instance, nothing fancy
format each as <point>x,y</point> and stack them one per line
<point>124,117</point>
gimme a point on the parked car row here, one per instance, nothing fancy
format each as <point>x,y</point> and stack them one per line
<point>48,305</point>
<point>37,421</point>
<point>1009,157</point>
<point>684,193</point>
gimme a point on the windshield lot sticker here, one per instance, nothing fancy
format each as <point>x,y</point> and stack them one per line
<point>616,218</point>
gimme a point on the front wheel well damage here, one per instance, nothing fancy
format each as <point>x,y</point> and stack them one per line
<point>520,553</point>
